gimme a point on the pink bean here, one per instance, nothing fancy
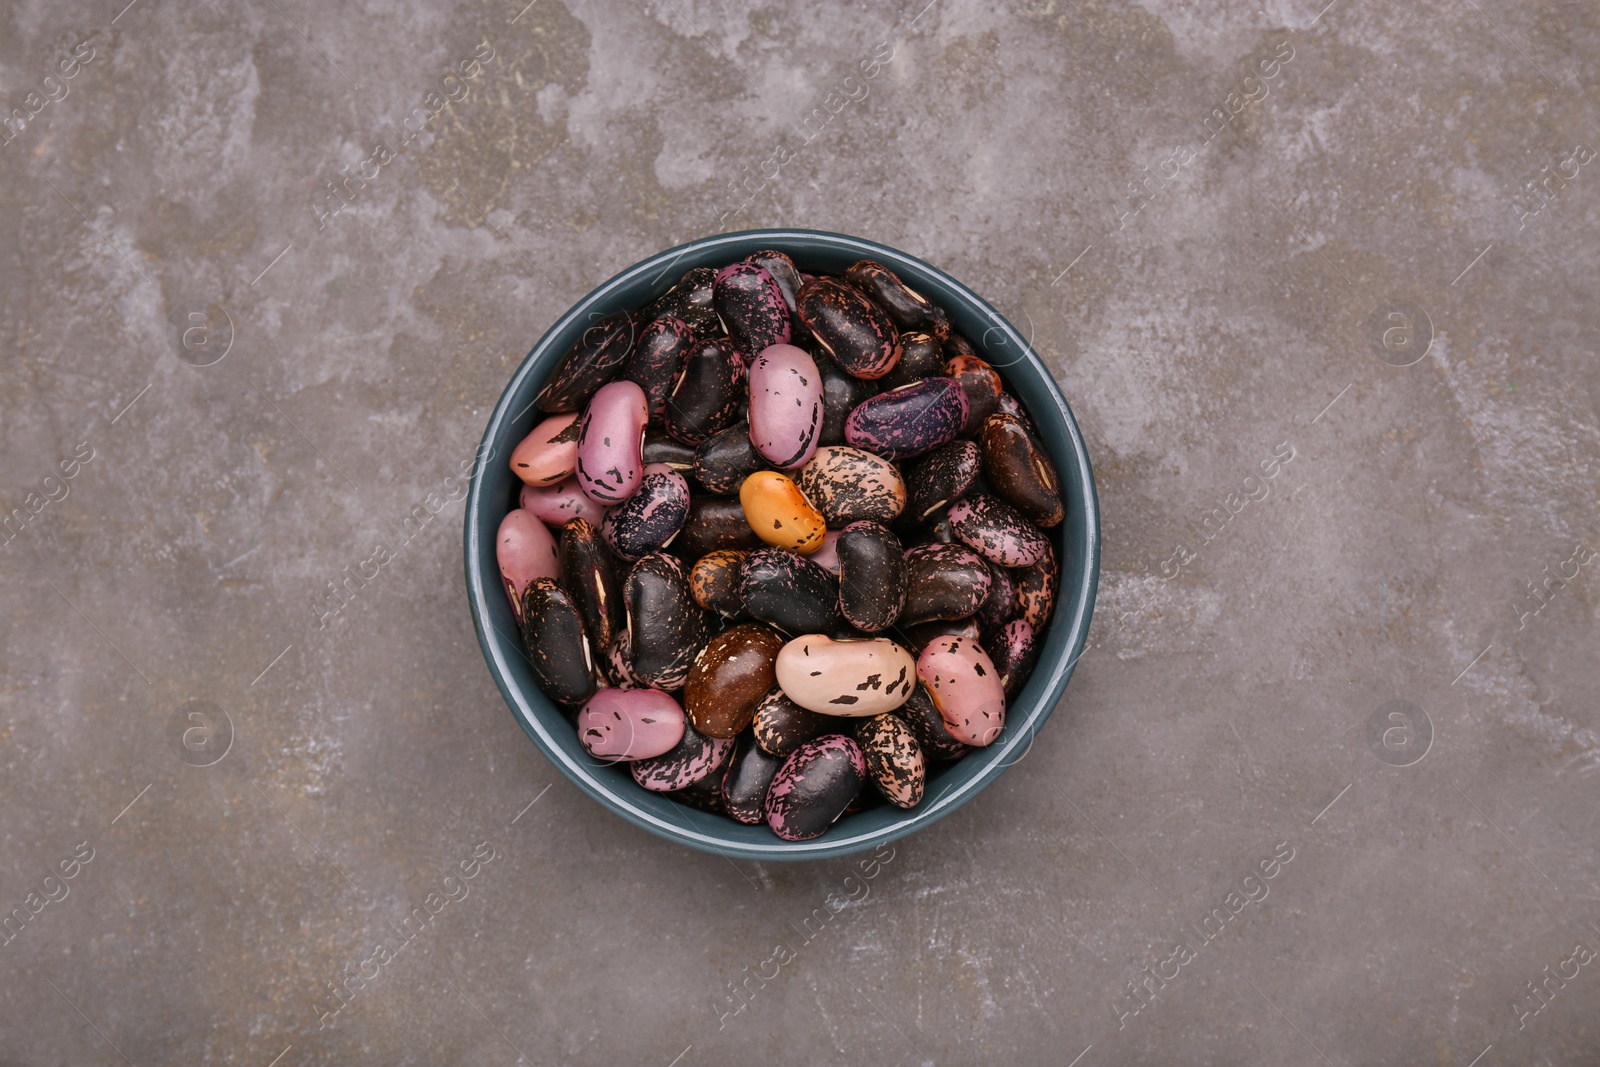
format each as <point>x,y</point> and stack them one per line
<point>964,685</point>
<point>549,453</point>
<point>630,724</point>
<point>827,557</point>
<point>559,504</point>
<point>611,443</point>
<point>785,405</point>
<point>525,550</point>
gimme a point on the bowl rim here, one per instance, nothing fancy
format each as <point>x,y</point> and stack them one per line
<point>1076,617</point>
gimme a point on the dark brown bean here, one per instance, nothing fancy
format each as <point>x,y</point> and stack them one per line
<point>921,356</point>
<point>1020,471</point>
<point>744,784</point>
<point>689,300</point>
<point>589,573</point>
<point>781,726</point>
<point>714,522</point>
<point>725,459</point>
<point>909,309</point>
<point>592,361</point>
<point>706,397</point>
<point>943,582</point>
<point>857,333</point>
<point>872,576</point>
<point>666,628</point>
<point>555,642</point>
<point>730,676</point>
<point>941,477</point>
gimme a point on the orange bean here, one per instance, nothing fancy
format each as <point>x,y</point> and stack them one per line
<point>780,514</point>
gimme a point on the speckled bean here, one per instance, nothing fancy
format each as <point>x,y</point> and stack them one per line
<point>594,359</point>
<point>856,332</point>
<point>910,420</point>
<point>965,687</point>
<point>750,301</point>
<point>549,454</point>
<point>657,359</point>
<point>693,759</point>
<point>814,786</point>
<point>630,724</point>
<point>997,531</point>
<point>848,485</point>
<point>611,443</point>
<point>649,519</point>
<point>851,679</point>
<point>893,759</point>
<point>559,504</point>
<point>785,405</point>
<point>525,550</point>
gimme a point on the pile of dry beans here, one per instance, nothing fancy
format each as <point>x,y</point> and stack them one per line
<point>780,544</point>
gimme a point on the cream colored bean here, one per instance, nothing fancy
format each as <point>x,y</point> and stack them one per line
<point>851,679</point>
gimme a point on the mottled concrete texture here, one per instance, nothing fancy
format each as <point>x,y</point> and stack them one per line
<point>1212,294</point>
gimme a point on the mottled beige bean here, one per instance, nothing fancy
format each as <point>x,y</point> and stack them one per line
<point>852,679</point>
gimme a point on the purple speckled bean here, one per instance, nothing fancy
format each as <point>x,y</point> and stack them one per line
<point>785,405</point>
<point>657,358</point>
<point>1000,605</point>
<point>910,420</point>
<point>611,443</point>
<point>694,757</point>
<point>559,504</point>
<point>997,531</point>
<point>857,333</point>
<point>650,518</point>
<point>943,582</point>
<point>619,663</point>
<point>525,550</point>
<point>630,724</point>
<point>814,786</point>
<point>965,687</point>
<point>1016,650</point>
<point>751,303</point>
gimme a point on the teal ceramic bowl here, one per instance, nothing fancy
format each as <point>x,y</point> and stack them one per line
<point>1077,540</point>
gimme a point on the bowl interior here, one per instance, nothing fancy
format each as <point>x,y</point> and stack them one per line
<point>1077,542</point>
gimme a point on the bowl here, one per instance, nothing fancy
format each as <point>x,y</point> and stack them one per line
<point>1077,542</point>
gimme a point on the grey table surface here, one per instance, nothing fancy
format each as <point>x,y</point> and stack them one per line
<point>1361,237</point>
